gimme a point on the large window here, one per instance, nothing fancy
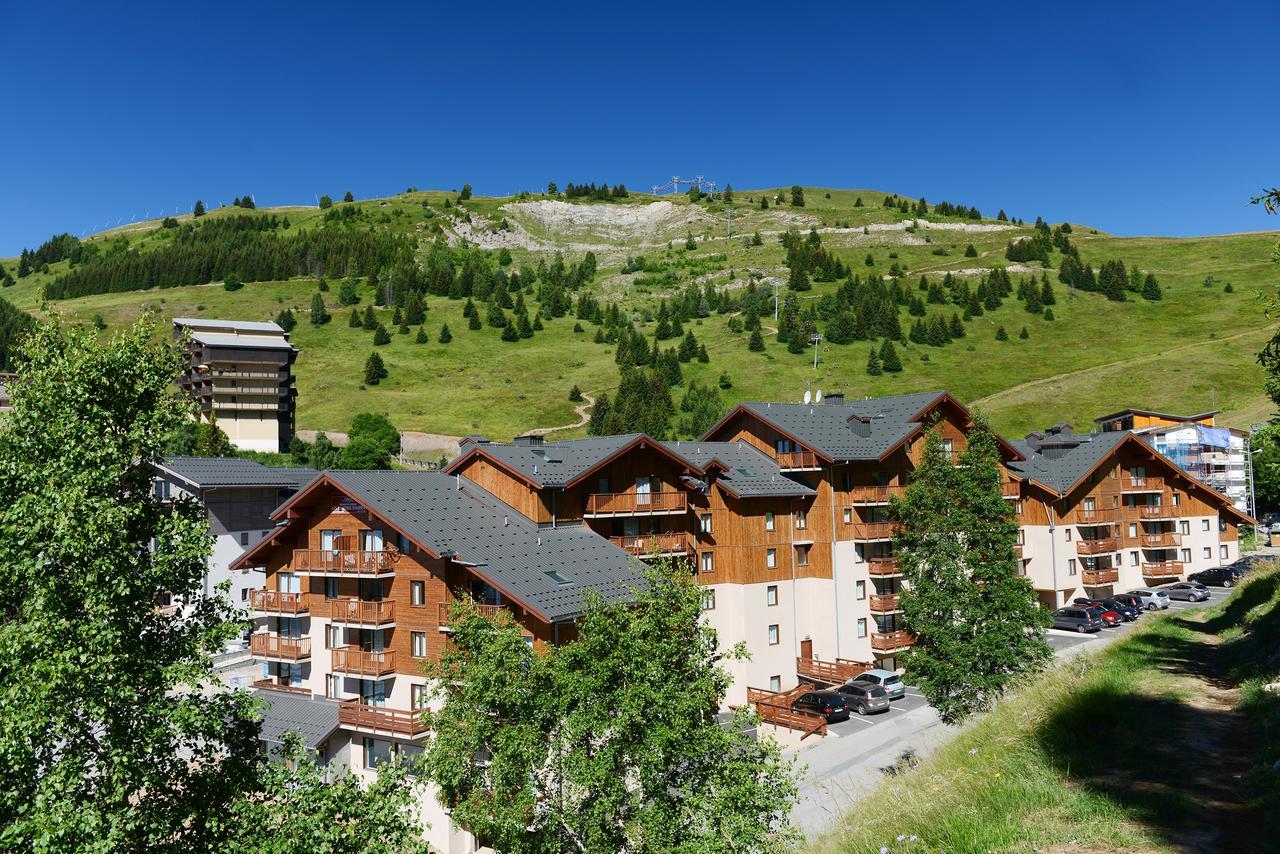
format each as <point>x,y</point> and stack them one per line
<point>331,588</point>
<point>333,636</point>
<point>376,752</point>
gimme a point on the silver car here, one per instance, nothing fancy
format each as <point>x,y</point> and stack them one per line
<point>1152,599</point>
<point>1188,591</point>
<point>887,679</point>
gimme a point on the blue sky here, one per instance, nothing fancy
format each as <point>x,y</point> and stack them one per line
<point>1137,118</point>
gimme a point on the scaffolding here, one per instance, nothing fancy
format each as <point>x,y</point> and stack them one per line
<point>1214,455</point>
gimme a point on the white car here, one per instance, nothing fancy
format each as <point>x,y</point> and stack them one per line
<point>1152,599</point>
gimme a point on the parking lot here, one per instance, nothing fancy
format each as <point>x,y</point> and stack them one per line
<point>1065,643</point>
<point>857,723</point>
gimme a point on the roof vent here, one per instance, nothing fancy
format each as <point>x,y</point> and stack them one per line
<point>528,441</point>
<point>506,520</point>
<point>835,398</point>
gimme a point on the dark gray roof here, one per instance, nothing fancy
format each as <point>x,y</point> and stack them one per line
<point>1057,463</point>
<point>313,718</point>
<point>212,323</point>
<point>827,429</point>
<point>554,464</point>
<point>453,516</point>
<point>750,473</point>
<point>209,472</point>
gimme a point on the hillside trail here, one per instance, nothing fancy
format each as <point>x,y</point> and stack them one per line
<point>583,411</point>
<point>1133,360</point>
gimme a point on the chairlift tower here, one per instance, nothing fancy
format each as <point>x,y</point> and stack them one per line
<point>673,186</point>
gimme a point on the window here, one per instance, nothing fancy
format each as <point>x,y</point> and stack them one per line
<point>1067,532</point>
<point>602,485</point>
<point>846,480</point>
<point>1204,524</point>
<point>418,644</point>
<point>708,599</point>
<point>862,627</point>
<point>1071,566</point>
<point>244,538</point>
<point>418,696</point>
<point>1208,553</point>
<point>376,752</point>
<point>332,636</point>
<point>704,523</point>
<point>768,520</point>
<point>771,558</point>
<point>946,447</point>
<point>1223,552</point>
<point>708,562</point>
<point>328,540</point>
<point>773,635</point>
<point>1177,499</point>
<point>1183,526</point>
<point>1186,555</point>
<point>802,555</point>
<point>418,594</point>
<point>1133,558</point>
<point>848,515</point>
<point>333,685</point>
<point>403,544</point>
<point>1017,508</point>
<point>331,588</point>
<point>244,594</point>
<point>775,683</point>
<point>802,520</point>
<point>860,590</point>
<point>771,595</point>
<point>784,446</point>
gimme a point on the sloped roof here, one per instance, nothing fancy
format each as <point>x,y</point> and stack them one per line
<point>210,472</point>
<point>313,718</point>
<point>554,464</point>
<point>1154,414</point>
<point>211,323</point>
<point>453,516</point>
<point>1062,472</point>
<point>747,472</point>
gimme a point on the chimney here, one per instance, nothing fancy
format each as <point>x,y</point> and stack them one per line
<point>528,441</point>
<point>835,398</point>
<point>860,426</point>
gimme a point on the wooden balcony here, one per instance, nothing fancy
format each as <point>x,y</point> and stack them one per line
<point>891,641</point>
<point>655,545</point>
<point>1096,517</point>
<point>636,503</point>
<point>1160,540</point>
<point>359,662</point>
<point>883,566</point>
<point>867,496</point>
<point>798,461</point>
<point>1162,569</point>
<point>279,648</point>
<point>345,562</point>
<point>1141,484</point>
<point>1094,577</point>
<point>1152,512</point>
<point>833,672</point>
<point>885,603</point>
<point>868,531</point>
<point>774,708</point>
<point>1011,489</point>
<point>1100,546</point>
<point>272,685</point>
<point>445,613</point>
<point>354,714</point>
<point>361,612</point>
<point>277,602</point>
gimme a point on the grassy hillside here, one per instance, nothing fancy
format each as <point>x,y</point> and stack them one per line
<point>1193,350</point>
<point>1164,741</point>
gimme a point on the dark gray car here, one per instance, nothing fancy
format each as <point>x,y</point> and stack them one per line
<point>1075,619</point>
<point>865,698</point>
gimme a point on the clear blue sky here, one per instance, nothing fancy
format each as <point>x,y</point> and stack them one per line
<point>1138,118</point>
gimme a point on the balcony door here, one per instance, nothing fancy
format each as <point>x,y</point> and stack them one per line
<point>289,582</point>
<point>646,486</point>
<point>329,540</point>
<point>371,541</point>
<point>371,640</point>
<point>373,692</point>
<point>289,627</point>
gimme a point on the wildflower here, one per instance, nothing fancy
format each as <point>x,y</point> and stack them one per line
<point>884,850</point>
<point>973,751</point>
<point>901,836</point>
<point>914,837</point>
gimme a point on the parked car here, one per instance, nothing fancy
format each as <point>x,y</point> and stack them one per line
<point>1075,619</point>
<point>1275,527</point>
<point>1131,600</point>
<point>864,697</point>
<point>832,705</point>
<point>1110,619</point>
<point>887,679</point>
<point>1126,610</point>
<point>1187,591</point>
<point>1152,599</point>
<point>1218,576</point>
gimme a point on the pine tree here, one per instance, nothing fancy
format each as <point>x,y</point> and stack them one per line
<point>970,252</point>
<point>1001,335</point>
<point>198,210</point>
<point>1047,295</point>
<point>397,317</point>
<point>354,322</point>
<point>764,203</point>
<point>873,363</point>
<point>756,342</point>
<point>325,202</point>
<point>381,336</point>
<point>575,394</point>
<point>509,332</point>
<point>1024,335</point>
<point>374,369</point>
<point>415,313</point>
<point>797,196</point>
<point>348,197</point>
<point>370,321</point>
<point>421,337</point>
<point>495,316</point>
<point>799,280</point>
<point>1151,288</point>
<point>445,335</point>
<point>889,357</point>
<point>956,327</point>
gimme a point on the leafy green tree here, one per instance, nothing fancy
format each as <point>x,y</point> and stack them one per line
<point>504,257</point>
<point>319,314</point>
<point>211,441</point>
<point>347,294</point>
<point>198,210</point>
<point>232,282</point>
<point>977,622</point>
<point>377,428</point>
<point>582,760</point>
<point>375,370</point>
<point>365,454</point>
<point>325,203</point>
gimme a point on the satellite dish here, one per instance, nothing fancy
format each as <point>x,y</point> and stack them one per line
<point>808,396</point>
<point>818,397</point>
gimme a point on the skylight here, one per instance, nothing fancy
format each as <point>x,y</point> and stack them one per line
<point>557,577</point>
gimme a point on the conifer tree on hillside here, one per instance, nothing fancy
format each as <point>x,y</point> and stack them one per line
<point>797,196</point>
<point>873,363</point>
<point>445,335</point>
<point>857,203</point>
<point>1024,334</point>
<point>375,370</point>
<point>1048,314</point>
<point>285,319</point>
<point>509,332</point>
<point>370,321</point>
<point>889,357</point>
<point>1151,288</point>
<point>764,203</point>
<point>381,336</point>
<point>348,197</point>
<point>354,321</point>
<point>325,202</point>
<point>799,280</point>
<point>756,343</point>
<point>1001,335</point>
<point>970,251</point>
<point>421,337</point>
<point>465,194</point>
<point>1047,296</point>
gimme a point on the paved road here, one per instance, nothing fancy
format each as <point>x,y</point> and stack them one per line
<point>859,753</point>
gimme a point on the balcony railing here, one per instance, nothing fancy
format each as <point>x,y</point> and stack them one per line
<point>890,641</point>
<point>883,566</point>
<point>1100,546</point>
<point>636,503</point>
<point>885,603</point>
<point>1141,484</point>
<point>445,613</point>
<point>1162,569</point>
<point>774,708</point>
<point>792,460</point>
<point>266,645</point>
<point>349,609</point>
<point>272,685</point>
<point>1153,512</point>
<point>865,495</point>
<point>1093,577</point>
<point>345,561</point>
<point>833,672</point>
<point>358,715</point>
<point>1160,540</point>
<point>645,545</point>
<point>1095,517</point>
<point>277,602</point>
<point>361,662</point>
<point>873,531</point>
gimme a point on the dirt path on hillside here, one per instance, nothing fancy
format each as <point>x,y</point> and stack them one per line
<point>1135,360</point>
<point>583,411</point>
